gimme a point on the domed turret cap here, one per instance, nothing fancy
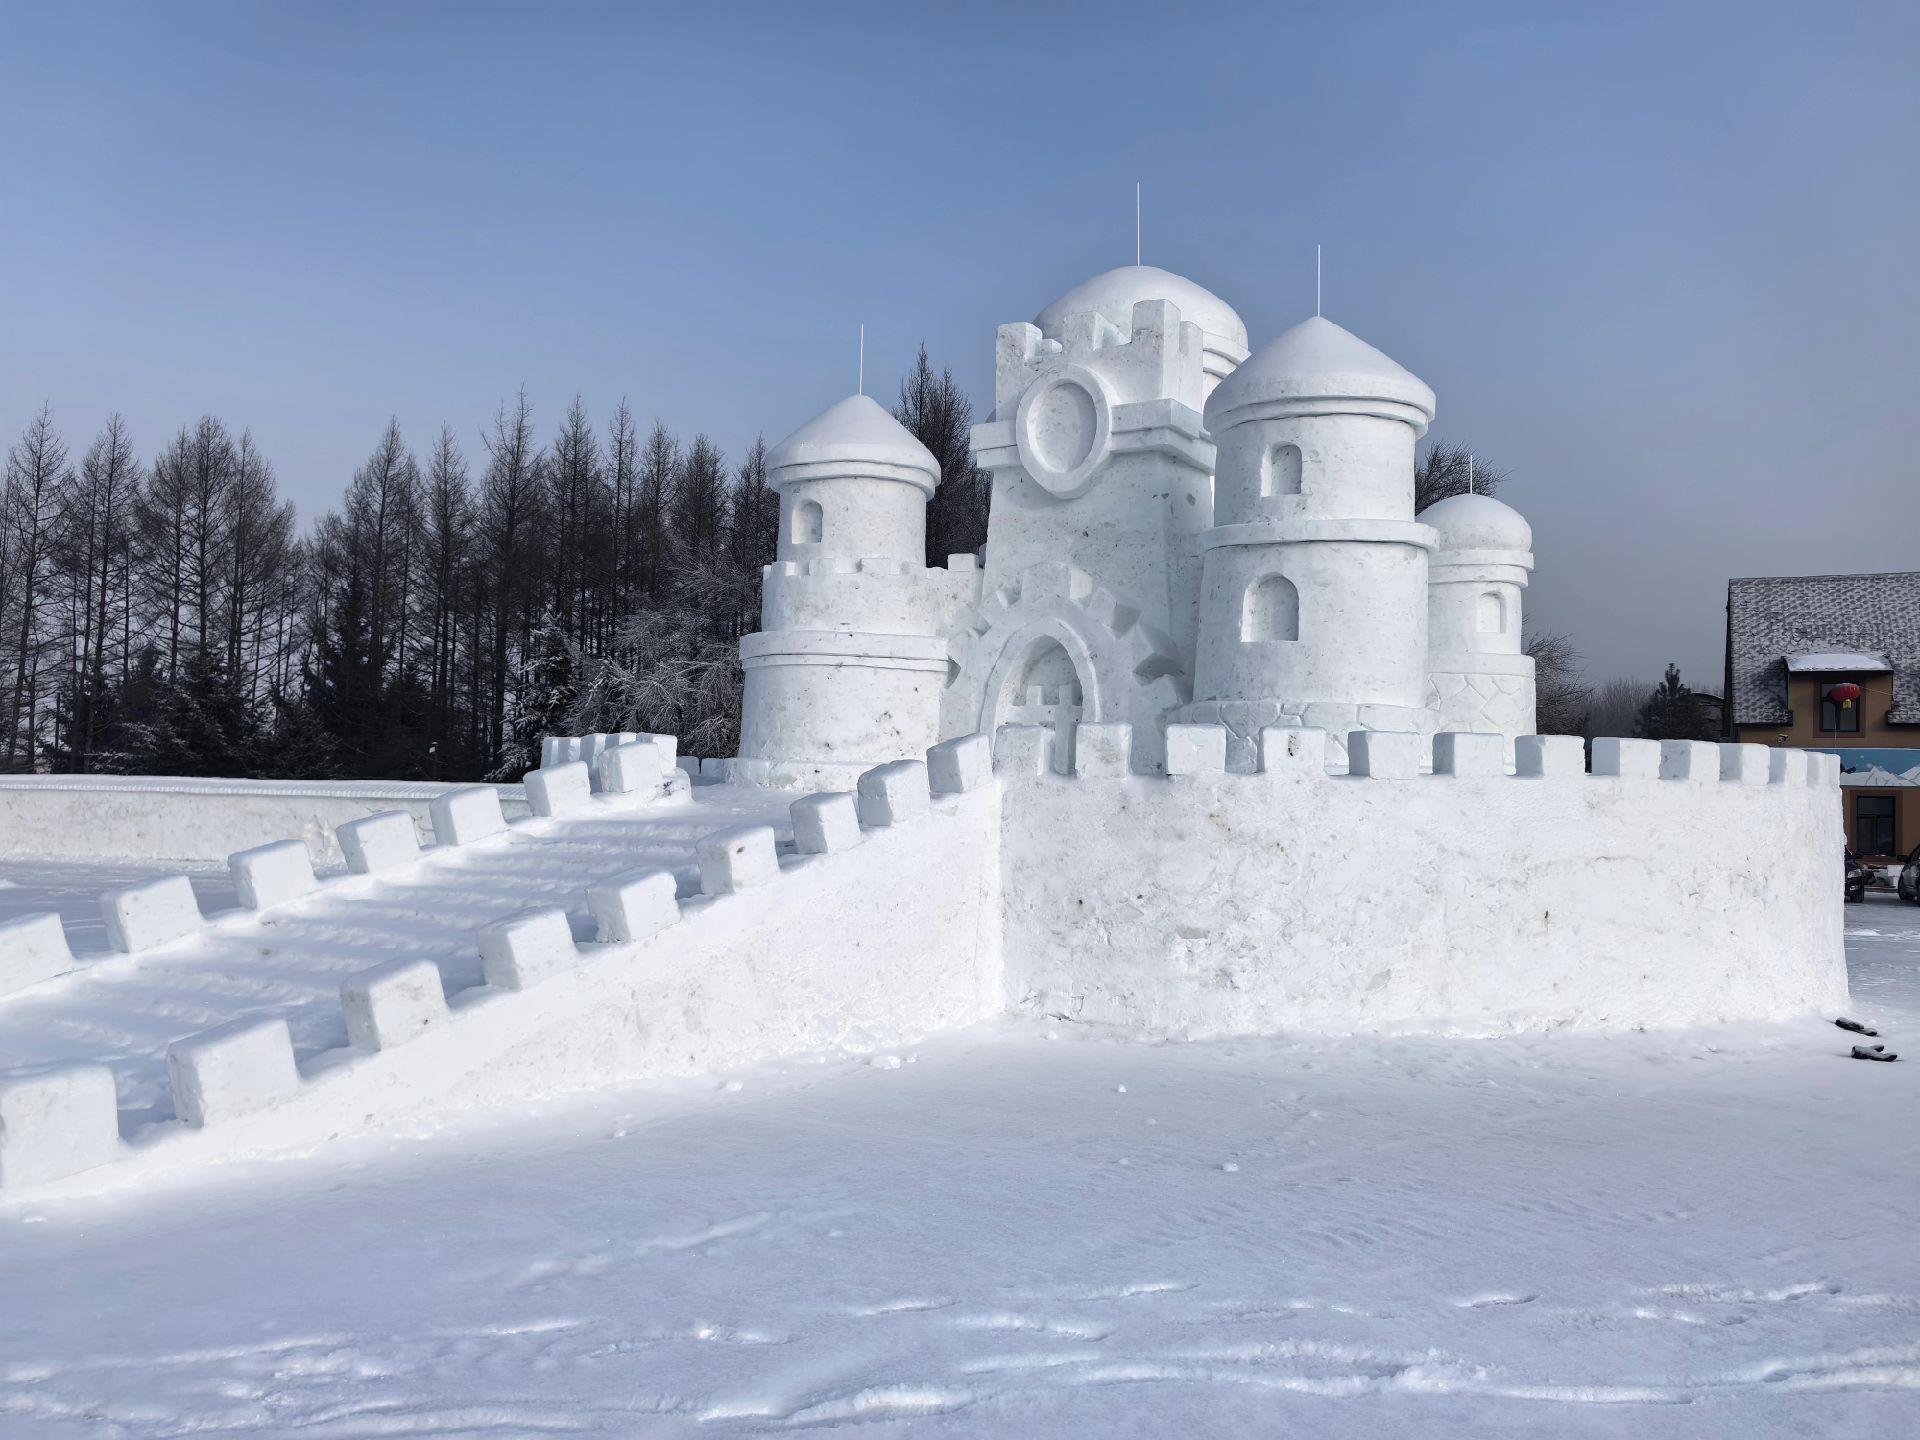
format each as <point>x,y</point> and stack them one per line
<point>1313,363</point>
<point>1114,293</point>
<point>856,438</point>
<point>1478,522</point>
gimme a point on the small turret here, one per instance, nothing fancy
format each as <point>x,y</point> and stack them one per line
<point>847,668</point>
<point>1312,609</point>
<point>1478,677</point>
<point>854,484</point>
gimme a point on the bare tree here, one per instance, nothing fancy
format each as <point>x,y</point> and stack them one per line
<point>100,506</point>
<point>1561,695</point>
<point>1451,468</point>
<point>1615,706</point>
<point>29,504</point>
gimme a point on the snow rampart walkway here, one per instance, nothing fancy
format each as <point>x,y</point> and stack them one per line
<point>886,931</point>
<point>188,819</point>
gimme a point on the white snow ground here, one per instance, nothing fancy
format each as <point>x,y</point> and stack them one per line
<point>1033,1230</point>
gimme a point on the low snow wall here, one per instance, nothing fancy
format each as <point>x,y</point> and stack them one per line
<point>91,817</point>
<point>888,933</point>
<point>1226,903</point>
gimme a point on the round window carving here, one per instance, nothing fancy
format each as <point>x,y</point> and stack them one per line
<point>1063,429</point>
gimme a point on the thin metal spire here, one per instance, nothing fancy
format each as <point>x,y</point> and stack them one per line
<point>863,359</point>
<point>1316,280</point>
<point>1136,222</point>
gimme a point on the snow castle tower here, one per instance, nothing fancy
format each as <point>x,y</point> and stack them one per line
<point>1313,605</point>
<point>847,668</point>
<point>1101,472</point>
<point>1478,677</point>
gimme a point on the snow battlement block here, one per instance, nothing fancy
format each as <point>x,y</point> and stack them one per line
<point>825,823</point>
<point>556,789</point>
<point>634,905</point>
<point>463,816</point>
<point>379,842</point>
<point>1786,767</point>
<point>1826,769</point>
<point>1626,759</point>
<point>519,952</point>
<point>57,1123</point>
<point>717,768</point>
<point>143,916</point>
<point>635,766</point>
<point>1465,755</point>
<point>737,859</point>
<point>270,875</point>
<point>231,1071</point>
<point>892,794</point>
<point>32,948</point>
<point>690,764</point>
<point>1385,754</point>
<point>1549,756</point>
<point>959,765</point>
<point>392,1004</point>
<point>1102,748</point>
<point>1694,760</point>
<point>1743,764</point>
<point>1023,749</point>
<point>1196,749</point>
<point>1293,750</point>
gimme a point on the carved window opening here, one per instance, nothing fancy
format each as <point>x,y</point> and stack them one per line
<point>1271,611</point>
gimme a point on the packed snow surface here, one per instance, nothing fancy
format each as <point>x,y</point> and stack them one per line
<point>1045,1229</point>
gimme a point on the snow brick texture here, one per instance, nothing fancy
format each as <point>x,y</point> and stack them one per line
<point>1679,883</point>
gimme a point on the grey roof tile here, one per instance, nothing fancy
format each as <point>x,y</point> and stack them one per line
<point>1770,618</point>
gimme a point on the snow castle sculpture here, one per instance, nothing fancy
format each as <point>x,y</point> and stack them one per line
<point>1178,534</point>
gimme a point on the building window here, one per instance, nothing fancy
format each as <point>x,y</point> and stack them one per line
<point>1873,825</point>
<point>1490,618</point>
<point>1281,474</point>
<point>1835,718</point>
<point>1271,611</point>
<point>808,524</point>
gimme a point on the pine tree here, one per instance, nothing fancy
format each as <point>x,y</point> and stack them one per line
<point>1674,712</point>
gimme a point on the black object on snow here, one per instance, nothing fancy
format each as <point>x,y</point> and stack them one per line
<point>1855,1026</point>
<point>1873,1052</point>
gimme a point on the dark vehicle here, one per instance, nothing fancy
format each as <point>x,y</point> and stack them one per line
<point>1857,879</point>
<point>1909,882</point>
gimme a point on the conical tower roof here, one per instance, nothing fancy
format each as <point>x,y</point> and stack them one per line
<point>1319,360</point>
<point>855,436</point>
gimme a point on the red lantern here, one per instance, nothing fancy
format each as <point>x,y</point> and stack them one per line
<point>1846,693</point>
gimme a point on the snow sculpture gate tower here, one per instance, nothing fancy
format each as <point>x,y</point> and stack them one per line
<point>1101,487</point>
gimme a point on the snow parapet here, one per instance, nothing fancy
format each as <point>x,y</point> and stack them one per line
<point>1439,884</point>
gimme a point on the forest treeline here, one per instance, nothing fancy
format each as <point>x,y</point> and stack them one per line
<point>166,614</point>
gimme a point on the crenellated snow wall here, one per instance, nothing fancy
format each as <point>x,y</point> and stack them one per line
<point>1660,894</point>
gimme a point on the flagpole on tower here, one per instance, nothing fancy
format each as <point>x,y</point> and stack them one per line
<point>1136,222</point>
<point>1316,279</point>
<point>863,360</point>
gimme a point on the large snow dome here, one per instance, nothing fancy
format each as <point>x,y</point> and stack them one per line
<point>1114,293</point>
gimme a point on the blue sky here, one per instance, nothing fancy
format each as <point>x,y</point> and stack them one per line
<point>1658,261</point>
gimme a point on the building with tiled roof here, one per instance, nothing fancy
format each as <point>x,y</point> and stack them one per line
<point>1832,662</point>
